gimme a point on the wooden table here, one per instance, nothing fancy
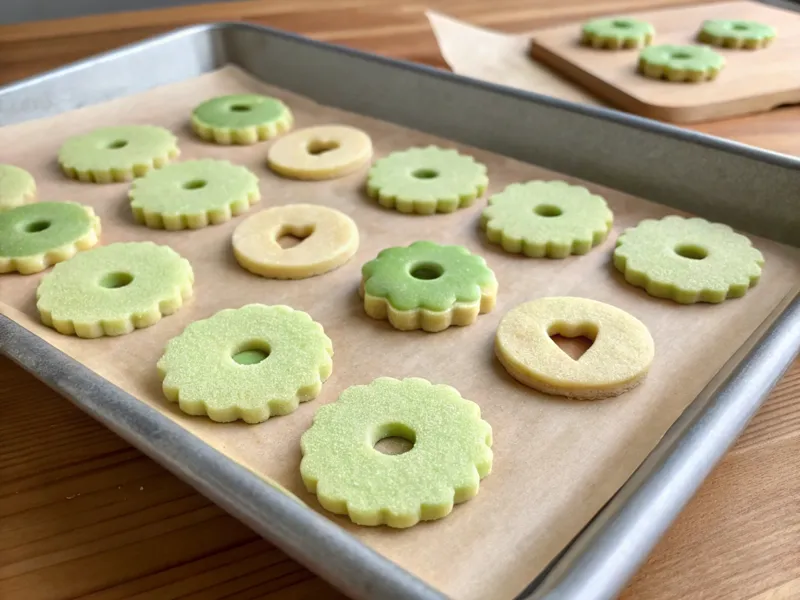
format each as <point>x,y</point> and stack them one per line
<point>82,514</point>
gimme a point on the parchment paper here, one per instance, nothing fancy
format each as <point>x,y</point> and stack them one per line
<point>556,461</point>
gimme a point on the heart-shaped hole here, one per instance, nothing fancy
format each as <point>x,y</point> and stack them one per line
<point>573,339</point>
<point>290,236</point>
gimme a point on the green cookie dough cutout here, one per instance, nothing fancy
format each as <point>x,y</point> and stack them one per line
<point>546,218</point>
<point>193,194</point>
<point>17,187</point>
<point>688,260</point>
<point>749,35</point>
<point>680,63</point>
<point>451,452</point>
<point>427,286</point>
<point>426,180</point>
<point>241,119</point>
<point>35,236</point>
<point>110,154</point>
<point>616,33</point>
<point>248,363</point>
<point>112,290</point>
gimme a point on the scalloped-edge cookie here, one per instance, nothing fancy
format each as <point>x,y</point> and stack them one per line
<point>680,63</point>
<point>17,187</point>
<point>617,33</point>
<point>241,119</point>
<point>749,35</point>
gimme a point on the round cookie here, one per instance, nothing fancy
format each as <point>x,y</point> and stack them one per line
<point>617,361</point>
<point>680,63</point>
<point>35,236</point>
<point>248,363</point>
<point>241,119</point>
<point>427,286</point>
<point>322,152</point>
<point>329,239</point>
<point>426,180</point>
<point>193,194</point>
<point>17,187</point>
<point>749,35</point>
<point>617,33</point>
<point>451,452</point>
<point>111,154</point>
<point>688,260</point>
<point>546,218</point>
<point>114,289</point>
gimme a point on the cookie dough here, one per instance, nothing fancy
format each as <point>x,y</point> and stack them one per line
<point>193,194</point>
<point>426,180</point>
<point>546,218</point>
<point>35,236</point>
<point>688,260</point>
<point>17,187</point>
<point>329,239</point>
<point>323,152</point>
<point>617,361</point>
<point>451,452</point>
<point>427,286</point>
<point>112,290</point>
<point>248,363</point>
<point>241,119</point>
<point>680,63</point>
<point>617,33</point>
<point>749,35</point>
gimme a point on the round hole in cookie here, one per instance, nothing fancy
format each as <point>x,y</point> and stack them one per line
<point>115,280</point>
<point>426,271</point>
<point>394,439</point>
<point>740,27</point>
<point>317,147</point>
<point>548,210</point>
<point>117,144</point>
<point>692,251</point>
<point>680,55</point>
<point>621,24</point>
<point>241,108</point>
<point>195,184</point>
<point>251,352</point>
<point>36,226</point>
<point>425,174</point>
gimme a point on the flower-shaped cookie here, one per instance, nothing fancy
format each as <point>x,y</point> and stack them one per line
<point>427,286</point>
<point>546,218</point>
<point>616,33</point>
<point>749,35</point>
<point>680,63</point>
<point>17,187</point>
<point>241,119</point>
<point>426,180</point>
<point>451,452</point>
<point>688,260</point>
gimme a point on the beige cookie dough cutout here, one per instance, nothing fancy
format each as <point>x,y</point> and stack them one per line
<point>324,152</point>
<point>617,361</point>
<point>330,239</point>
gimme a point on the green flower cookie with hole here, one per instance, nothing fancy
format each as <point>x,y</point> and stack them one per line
<point>617,33</point>
<point>241,119</point>
<point>427,286</point>
<point>546,218</point>
<point>451,452</point>
<point>193,194</point>
<point>17,187</point>
<point>114,289</point>
<point>688,260</point>
<point>749,35</point>
<point>35,236</point>
<point>426,180</point>
<point>248,363</point>
<point>680,63</point>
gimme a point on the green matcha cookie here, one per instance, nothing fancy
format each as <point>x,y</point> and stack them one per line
<point>17,187</point>
<point>427,286</point>
<point>241,119</point>
<point>680,63</point>
<point>620,32</point>
<point>546,218</point>
<point>35,236</point>
<point>451,452</point>
<point>112,290</point>
<point>688,260</point>
<point>749,35</point>
<point>248,363</point>
<point>121,153</point>
<point>193,194</point>
<point>426,180</point>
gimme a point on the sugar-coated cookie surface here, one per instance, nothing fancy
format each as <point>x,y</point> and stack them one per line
<point>451,452</point>
<point>17,187</point>
<point>248,363</point>
<point>112,290</point>
<point>617,361</point>
<point>329,239</point>
<point>35,236</point>
<point>724,33</point>
<point>241,119</point>
<point>616,33</point>
<point>322,152</point>
<point>680,63</point>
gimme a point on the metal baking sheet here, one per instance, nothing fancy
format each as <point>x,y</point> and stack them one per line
<point>686,170</point>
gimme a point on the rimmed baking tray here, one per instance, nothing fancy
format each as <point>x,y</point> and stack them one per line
<point>685,170</point>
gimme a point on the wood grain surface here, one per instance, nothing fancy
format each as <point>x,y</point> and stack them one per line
<point>84,515</point>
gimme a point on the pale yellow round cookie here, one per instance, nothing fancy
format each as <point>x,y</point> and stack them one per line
<point>323,152</point>
<point>329,239</point>
<point>617,361</point>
